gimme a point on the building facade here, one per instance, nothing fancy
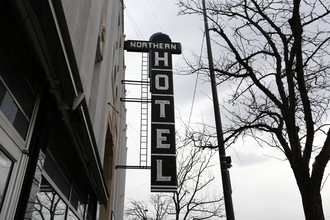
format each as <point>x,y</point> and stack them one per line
<point>62,124</point>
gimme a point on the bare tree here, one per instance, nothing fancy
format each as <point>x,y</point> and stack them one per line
<point>160,206</point>
<point>275,55</point>
<point>137,210</point>
<point>140,210</point>
<point>193,200</point>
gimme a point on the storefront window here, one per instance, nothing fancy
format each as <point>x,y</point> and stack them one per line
<point>5,170</point>
<point>48,204</point>
<point>56,196</point>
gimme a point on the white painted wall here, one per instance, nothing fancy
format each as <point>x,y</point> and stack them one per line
<point>102,80</point>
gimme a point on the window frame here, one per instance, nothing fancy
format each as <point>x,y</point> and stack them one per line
<point>17,149</point>
<point>14,183</point>
<point>8,177</point>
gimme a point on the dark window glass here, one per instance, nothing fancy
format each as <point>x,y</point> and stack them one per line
<point>78,200</point>
<point>20,71</point>
<point>56,174</point>
<point>5,170</point>
<point>74,199</point>
<point>91,209</point>
<point>13,113</point>
<point>9,107</point>
<point>21,124</point>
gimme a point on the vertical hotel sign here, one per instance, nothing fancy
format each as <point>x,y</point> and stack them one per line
<point>163,150</point>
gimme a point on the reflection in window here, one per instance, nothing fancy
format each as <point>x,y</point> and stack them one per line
<point>78,201</point>
<point>13,113</point>
<point>48,204</point>
<point>35,186</point>
<point>56,174</point>
<point>72,216</point>
<point>5,169</point>
<point>56,196</point>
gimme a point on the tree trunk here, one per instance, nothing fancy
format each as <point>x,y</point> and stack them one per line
<point>310,190</point>
<point>312,203</point>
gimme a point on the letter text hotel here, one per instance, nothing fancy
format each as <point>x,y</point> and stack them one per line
<point>163,149</point>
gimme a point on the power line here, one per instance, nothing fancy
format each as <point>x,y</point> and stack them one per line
<point>128,123</point>
<point>120,115</point>
<point>135,27</point>
<point>155,16</point>
<point>196,81</point>
<point>143,184</point>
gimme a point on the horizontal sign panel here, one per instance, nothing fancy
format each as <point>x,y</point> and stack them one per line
<point>145,46</point>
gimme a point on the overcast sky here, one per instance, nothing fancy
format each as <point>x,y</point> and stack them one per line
<point>263,187</point>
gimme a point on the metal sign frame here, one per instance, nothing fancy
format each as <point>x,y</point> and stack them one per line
<point>163,149</point>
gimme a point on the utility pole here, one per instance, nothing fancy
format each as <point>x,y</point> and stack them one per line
<point>224,160</point>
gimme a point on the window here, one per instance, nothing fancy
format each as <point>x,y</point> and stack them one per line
<point>48,204</point>
<point>18,93</point>
<point>59,192</point>
<point>11,110</point>
<point>20,79</point>
<point>5,171</point>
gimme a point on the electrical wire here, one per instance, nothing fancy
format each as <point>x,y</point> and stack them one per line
<point>129,124</point>
<point>196,81</point>
<point>134,189</point>
<point>155,16</point>
<point>120,115</point>
<point>135,27</point>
